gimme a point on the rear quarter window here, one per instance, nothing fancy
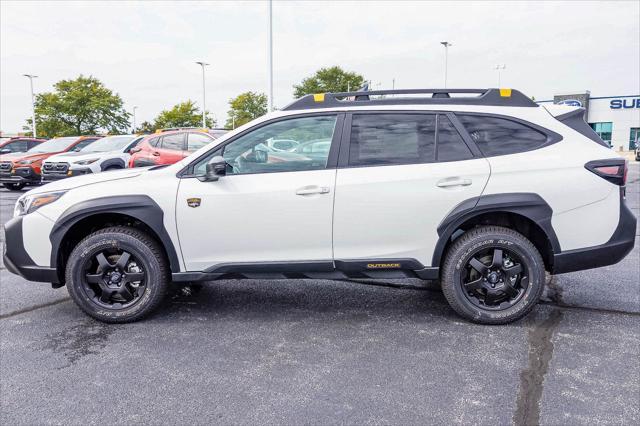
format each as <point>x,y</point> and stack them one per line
<point>501,136</point>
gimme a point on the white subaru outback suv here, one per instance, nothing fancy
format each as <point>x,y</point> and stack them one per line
<point>481,189</point>
<point>108,153</point>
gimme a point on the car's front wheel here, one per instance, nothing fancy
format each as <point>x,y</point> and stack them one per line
<point>117,275</point>
<point>493,275</point>
<point>13,186</point>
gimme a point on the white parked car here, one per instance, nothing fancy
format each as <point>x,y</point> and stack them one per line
<point>485,191</point>
<point>108,153</point>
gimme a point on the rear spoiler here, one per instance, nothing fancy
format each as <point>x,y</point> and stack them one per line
<point>574,117</point>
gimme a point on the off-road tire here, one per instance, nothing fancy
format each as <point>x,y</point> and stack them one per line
<point>485,237</point>
<point>140,245</point>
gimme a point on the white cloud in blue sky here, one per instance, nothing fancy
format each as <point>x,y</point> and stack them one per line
<point>145,51</point>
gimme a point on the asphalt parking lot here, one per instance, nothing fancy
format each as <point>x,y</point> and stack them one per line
<point>325,352</point>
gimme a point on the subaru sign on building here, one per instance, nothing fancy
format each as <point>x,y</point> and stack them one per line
<point>615,118</point>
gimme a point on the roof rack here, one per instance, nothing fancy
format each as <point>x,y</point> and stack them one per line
<point>483,97</point>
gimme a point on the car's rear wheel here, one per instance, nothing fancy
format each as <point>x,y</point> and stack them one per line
<point>117,275</point>
<point>493,275</point>
<point>13,186</point>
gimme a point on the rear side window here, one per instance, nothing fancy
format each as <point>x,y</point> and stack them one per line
<point>387,139</point>
<point>499,136</point>
<point>451,147</point>
<point>154,142</point>
<point>174,142</point>
<point>196,141</point>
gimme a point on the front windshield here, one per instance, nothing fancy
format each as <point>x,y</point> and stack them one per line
<point>54,145</point>
<point>110,143</point>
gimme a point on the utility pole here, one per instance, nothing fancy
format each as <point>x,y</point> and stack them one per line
<point>446,45</point>
<point>498,68</point>
<point>204,98</point>
<point>270,55</point>
<point>134,119</point>
<point>33,104</point>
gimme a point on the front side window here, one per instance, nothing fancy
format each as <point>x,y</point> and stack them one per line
<point>387,139</point>
<point>499,136</point>
<point>253,151</point>
<point>173,142</point>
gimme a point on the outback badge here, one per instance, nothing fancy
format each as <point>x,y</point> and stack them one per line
<point>193,202</point>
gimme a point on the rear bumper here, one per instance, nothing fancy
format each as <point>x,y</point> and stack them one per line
<point>609,253</point>
<point>20,175</point>
<point>17,260</point>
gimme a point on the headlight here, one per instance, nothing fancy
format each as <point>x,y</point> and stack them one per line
<point>85,162</point>
<point>31,203</point>
<point>26,161</point>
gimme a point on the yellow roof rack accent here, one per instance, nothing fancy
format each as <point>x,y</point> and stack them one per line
<point>505,93</point>
<point>318,97</point>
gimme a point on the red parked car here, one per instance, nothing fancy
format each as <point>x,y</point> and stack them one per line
<point>18,169</point>
<point>168,147</point>
<point>18,144</point>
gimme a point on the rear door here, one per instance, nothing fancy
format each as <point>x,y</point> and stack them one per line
<point>399,175</point>
<point>171,148</point>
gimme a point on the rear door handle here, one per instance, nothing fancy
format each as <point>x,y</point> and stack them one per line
<point>312,189</point>
<point>449,182</point>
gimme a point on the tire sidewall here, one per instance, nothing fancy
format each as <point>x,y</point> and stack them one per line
<point>96,243</point>
<point>532,264</point>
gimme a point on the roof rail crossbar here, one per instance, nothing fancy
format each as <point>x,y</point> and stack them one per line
<point>480,97</point>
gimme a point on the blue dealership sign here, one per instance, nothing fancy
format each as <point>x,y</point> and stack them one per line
<point>625,103</point>
<point>571,102</point>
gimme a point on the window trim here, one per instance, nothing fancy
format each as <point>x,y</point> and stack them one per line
<point>332,159</point>
<point>343,160</point>
<point>552,137</point>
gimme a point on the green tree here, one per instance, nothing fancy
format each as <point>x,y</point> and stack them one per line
<point>146,127</point>
<point>333,79</point>
<point>185,114</point>
<point>82,106</point>
<point>245,107</point>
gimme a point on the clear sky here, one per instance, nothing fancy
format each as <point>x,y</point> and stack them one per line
<point>145,51</point>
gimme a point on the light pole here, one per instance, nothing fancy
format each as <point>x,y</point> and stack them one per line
<point>204,98</point>
<point>498,68</point>
<point>446,45</point>
<point>134,118</point>
<point>33,105</point>
<point>270,55</point>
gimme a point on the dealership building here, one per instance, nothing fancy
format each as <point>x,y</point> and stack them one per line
<point>615,118</point>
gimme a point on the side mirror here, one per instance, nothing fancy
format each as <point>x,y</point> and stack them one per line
<point>5,151</point>
<point>215,168</point>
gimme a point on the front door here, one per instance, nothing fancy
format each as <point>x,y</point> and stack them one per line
<point>397,181</point>
<point>272,207</point>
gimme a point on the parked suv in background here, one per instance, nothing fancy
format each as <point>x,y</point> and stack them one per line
<point>19,144</point>
<point>485,191</point>
<point>170,146</point>
<point>109,153</point>
<point>23,168</point>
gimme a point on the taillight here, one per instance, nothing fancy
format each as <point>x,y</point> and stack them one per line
<point>614,170</point>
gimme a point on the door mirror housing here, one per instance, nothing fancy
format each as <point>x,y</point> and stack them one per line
<point>5,151</point>
<point>216,168</point>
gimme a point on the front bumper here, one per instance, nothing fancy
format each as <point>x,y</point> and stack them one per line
<point>53,176</point>
<point>20,175</point>
<point>17,260</point>
<point>609,253</point>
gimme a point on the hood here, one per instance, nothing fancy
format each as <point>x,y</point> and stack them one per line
<point>19,156</point>
<point>89,179</point>
<point>70,157</point>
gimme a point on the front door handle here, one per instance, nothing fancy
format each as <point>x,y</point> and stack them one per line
<point>155,153</point>
<point>312,189</point>
<point>449,182</point>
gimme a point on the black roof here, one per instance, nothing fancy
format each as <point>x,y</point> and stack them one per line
<point>484,97</point>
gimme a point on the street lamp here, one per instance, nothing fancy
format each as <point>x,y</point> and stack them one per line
<point>134,118</point>
<point>204,99</point>
<point>446,45</point>
<point>33,105</point>
<point>498,68</point>
<point>270,61</point>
